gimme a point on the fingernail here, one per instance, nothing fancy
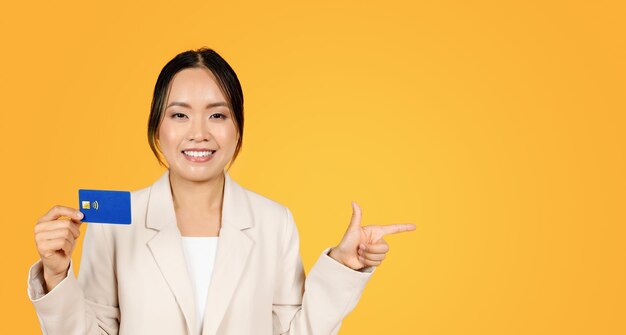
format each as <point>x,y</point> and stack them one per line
<point>79,215</point>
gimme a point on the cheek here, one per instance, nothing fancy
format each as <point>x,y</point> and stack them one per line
<point>167,136</point>
<point>228,135</point>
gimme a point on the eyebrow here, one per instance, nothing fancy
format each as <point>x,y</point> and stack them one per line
<point>183,104</point>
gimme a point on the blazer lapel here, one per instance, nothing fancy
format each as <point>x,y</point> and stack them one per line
<point>233,250</point>
<point>166,247</point>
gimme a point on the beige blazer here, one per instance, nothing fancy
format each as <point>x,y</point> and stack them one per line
<point>133,278</point>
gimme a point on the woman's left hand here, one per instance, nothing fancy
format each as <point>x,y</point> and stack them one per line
<point>364,246</point>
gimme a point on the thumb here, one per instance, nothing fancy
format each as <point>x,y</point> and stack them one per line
<point>355,220</point>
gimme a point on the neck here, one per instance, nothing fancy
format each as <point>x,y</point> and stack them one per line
<point>197,197</point>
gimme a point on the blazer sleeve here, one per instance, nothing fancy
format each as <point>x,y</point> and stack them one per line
<point>84,306</point>
<point>315,304</point>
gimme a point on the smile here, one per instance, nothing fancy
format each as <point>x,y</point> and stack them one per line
<point>205,153</point>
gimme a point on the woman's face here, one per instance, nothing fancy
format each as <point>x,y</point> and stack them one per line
<point>196,122</point>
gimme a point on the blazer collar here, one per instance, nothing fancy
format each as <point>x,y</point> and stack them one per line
<point>233,250</point>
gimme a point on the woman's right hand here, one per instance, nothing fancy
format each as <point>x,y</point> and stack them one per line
<point>55,236</point>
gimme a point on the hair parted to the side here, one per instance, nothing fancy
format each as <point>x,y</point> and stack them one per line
<point>226,79</point>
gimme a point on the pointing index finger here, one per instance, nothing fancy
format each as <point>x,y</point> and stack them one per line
<point>397,228</point>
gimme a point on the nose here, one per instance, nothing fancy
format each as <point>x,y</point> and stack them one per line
<point>199,131</point>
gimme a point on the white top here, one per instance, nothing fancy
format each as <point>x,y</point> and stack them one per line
<point>200,256</point>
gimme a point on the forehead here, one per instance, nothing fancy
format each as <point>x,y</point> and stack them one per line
<point>195,85</point>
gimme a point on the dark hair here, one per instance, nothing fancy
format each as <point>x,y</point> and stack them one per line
<point>226,79</point>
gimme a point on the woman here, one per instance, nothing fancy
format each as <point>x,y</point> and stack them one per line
<point>203,255</point>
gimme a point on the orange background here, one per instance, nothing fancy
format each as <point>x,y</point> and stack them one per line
<point>498,128</point>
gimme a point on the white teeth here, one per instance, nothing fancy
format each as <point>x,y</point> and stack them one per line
<point>198,153</point>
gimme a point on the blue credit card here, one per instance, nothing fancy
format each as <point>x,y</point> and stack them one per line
<point>104,206</point>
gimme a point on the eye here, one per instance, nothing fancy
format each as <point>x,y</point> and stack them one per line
<point>219,115</point>
<point>178,115</point>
